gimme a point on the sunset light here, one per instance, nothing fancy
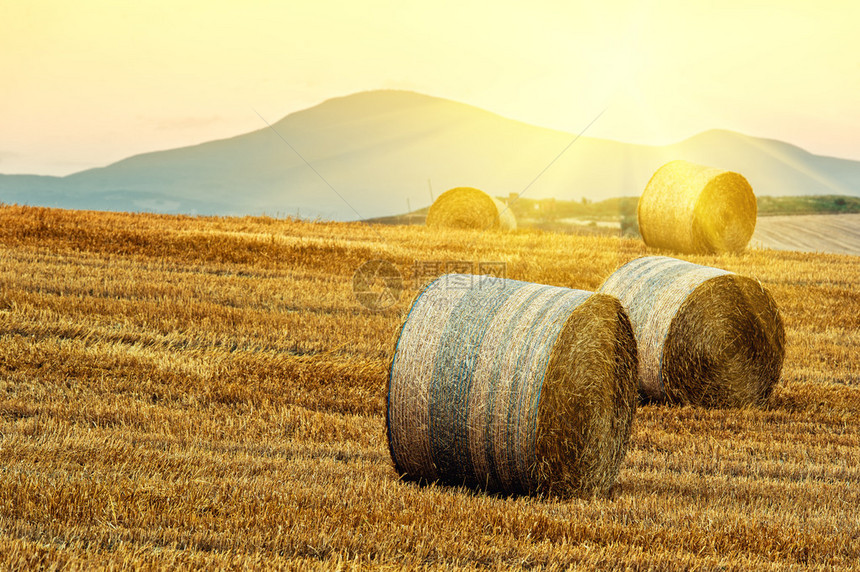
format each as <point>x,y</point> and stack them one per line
<point>91,82</point>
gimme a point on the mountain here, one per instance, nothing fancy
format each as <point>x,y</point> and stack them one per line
<point>377,149</point>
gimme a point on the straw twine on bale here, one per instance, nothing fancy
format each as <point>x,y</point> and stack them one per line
<point>690,208</point>
<point>512,387</point>
<point>465,207</point>
<point>705,336</point>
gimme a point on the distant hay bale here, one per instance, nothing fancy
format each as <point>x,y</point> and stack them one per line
<point>465,207</point>
<point>705,336</point>
<point>690,208</point>
<point>512,387</point>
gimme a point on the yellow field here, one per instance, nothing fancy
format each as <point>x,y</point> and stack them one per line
<point>207,392</point>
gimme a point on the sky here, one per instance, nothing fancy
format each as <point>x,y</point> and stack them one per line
<point>86,83</point>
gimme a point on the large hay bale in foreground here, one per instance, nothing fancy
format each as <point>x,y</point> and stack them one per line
<point>704,335</point>
<point>512,387</point>
<point>695,209</point>
<point>465,207</point>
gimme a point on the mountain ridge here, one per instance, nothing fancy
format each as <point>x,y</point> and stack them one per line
<point>378,150</point>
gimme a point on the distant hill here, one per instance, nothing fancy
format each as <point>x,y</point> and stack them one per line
<point>377,149</point>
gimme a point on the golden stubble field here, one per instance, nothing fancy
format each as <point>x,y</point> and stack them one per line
<point>184,392</point>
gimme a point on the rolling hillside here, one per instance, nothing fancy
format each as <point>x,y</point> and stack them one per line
<point>378,149</point>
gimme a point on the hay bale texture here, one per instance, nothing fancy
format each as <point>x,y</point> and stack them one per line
<point>512,387</point>
<point>704,336</point>
<point>465,207</point>
<point>695,209</point>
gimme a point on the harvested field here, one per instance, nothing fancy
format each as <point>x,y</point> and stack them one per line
<point>179,392</point>
<point>839,233</point>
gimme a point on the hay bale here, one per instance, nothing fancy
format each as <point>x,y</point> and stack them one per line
<point>465,207</point>
<point>704,336</point>
<point>695,209</point>
<point>512,387</point>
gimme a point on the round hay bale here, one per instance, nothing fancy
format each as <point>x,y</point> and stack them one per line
<point>705,336</point>
<point>512,387</point>
<point>695,209</point>
<point>465,207</point>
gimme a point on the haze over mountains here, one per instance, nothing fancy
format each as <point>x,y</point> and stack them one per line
<point>376,149</point>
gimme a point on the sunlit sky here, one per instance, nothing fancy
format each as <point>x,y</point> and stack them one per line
<point>89,82</point>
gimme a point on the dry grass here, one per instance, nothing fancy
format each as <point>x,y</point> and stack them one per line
<point>206,392</point>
